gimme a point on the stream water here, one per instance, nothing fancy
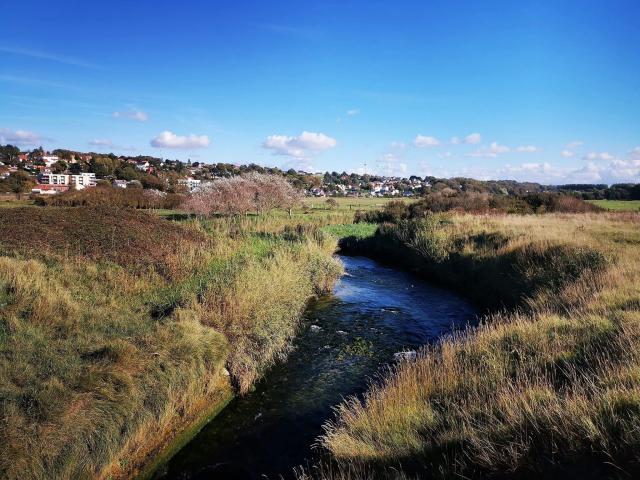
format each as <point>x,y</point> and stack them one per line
<point>345,339</point>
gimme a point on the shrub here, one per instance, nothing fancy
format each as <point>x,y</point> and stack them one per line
<point>113,197</point>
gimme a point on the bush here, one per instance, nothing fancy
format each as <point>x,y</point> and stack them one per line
<point>114,197</point>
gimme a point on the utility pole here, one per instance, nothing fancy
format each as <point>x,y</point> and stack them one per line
<point>365,168</point>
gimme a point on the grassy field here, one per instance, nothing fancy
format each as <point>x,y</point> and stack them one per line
<point>13,203</point>
<point>119,329</point>
<point>618,205</point>
<point>550,386</point>
<point>353,203</point>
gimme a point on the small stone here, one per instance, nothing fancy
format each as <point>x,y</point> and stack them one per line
<point>406,356</point>
<point>225,372</point>
<point>315,328</point>
<point>341,332</point>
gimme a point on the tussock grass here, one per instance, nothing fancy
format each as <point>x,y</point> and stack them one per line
<point>549,386</point>
<point>103,359</point>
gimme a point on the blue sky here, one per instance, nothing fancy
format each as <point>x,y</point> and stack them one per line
<point>532,90</point>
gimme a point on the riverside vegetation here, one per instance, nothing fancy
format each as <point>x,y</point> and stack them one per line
<point>547,384</point>
<point>119,329</point>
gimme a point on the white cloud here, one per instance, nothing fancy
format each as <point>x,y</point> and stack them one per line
<point>19,137</point>
<point>473,138</point>
<point>101,142</point>
<point>301,146</point>
<point>634,154</point>
<point>492,152</point>
<point>445,155</point>
<point>573,145</point>
<point>497,148</point>
<point>138,115</point>
<point>528,149</point>
<point>353,112</point>
<point>424,141</point>
<point>481,154</point>
<point>169,139</point>
<point>567,153</point>
<point>606,156</point>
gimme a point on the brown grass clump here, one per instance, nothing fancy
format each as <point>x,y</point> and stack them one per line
<point>127,237</point>
<point>552,388</point>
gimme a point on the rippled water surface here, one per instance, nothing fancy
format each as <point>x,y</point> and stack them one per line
<point>374,312</point>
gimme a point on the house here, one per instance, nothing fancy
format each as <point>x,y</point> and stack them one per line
<point>45,189</point>
<point>189,182</point>
<point>49,160</point>
<point>119,183</point>
<point>143,165</point>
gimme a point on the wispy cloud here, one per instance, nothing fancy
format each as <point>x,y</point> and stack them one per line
<point>574,144</point>
<point>422,141</point>
<point>101,142</point>
<point>20,137</point>
<point>138,115</point>
<point>106,143</point>
<point>169,139</point>
<point>34,81</point>
<point>606,156</point>
<point>528,149</point>
<point>25,52</point>
<point>471,139</point>
<point>492,151</point>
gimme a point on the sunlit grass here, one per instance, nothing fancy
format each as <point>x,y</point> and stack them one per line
<point>618,205</point>
<point>554,383</point>
<point>103,360</point>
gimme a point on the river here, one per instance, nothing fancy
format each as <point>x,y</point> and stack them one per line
<point>345,339</point>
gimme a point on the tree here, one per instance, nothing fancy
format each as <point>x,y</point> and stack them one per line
<point>60,166</point>
<point>18,182</point>
<point>102,166</point>
<point>75,169</point>
<point>36,153</point>
<point>9,154</point>
<point>257,192</point>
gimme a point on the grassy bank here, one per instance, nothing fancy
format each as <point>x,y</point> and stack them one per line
<point>547,386</point>
<point>118,329</point>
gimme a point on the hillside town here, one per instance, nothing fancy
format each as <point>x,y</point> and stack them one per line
<point>42,173</point>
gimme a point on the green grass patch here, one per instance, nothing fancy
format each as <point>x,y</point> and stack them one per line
<point>618,205</point>
<point>358,230</point>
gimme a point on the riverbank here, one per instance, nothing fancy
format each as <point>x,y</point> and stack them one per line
<point>546,385</point>
<point>345,338</point>
<point>119,329</point>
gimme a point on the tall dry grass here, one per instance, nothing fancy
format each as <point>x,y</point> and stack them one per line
<point>549,387</point>
<point>103,362</point>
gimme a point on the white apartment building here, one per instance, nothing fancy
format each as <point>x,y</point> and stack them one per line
<point>79,182</point>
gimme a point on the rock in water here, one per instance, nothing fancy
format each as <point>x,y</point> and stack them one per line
<point>406,356</point>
